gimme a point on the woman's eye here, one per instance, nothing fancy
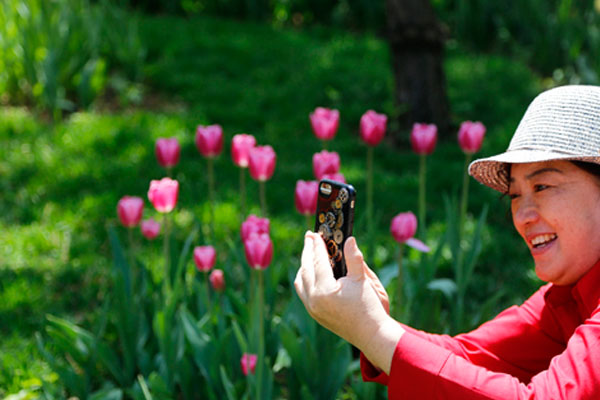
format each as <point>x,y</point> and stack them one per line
<point>513,196</point>
<point>540,187</point>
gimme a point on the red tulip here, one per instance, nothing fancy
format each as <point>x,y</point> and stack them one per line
<point>217,280</point>
<point>129,210</point>
<point>372,127</point>
<point>240,149</point>
<point>167,151</point>
<point>163,194</point>
<point>338,177</point>
<point>470,136</point>
<point>325,162</point>
<point>259,250</point>
<point>204,258</point>
<point>150,228</point>
<point>305,197</point>
<point>404,227</point>
<point>254,224</point>
<point>262,163</point>
<point>209,140</point>
<point>423,138</point>
<point>248,363</point>
<point>325,122</point>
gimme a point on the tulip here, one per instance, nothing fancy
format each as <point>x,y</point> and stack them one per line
<point>423,138</point>
<point>241,145</point>
<point>150,228</point>
<point>254,224</point>
<point>262,163</point>
<point>204,258</point>
<point>167,152</point>
<point>217,280</point>
<point>305,198</point>
<point>129,210</point>
<point>209,140</point>
<point>325,162</point>
<point>372,127</point>
<point>248,363</point>
<point>325,122</point>
<point>335,177</point>
<point>163,194</point>
<point>470,136</point>
<point>259,250</point>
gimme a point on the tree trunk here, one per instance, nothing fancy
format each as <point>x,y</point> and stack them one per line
<point>416,40</point>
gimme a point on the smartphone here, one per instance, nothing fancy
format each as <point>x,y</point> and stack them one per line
<point>334,220</point>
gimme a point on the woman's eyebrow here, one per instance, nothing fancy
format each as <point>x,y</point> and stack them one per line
<point>538,172</point>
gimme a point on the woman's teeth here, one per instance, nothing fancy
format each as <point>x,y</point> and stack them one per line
<point>542,239</point>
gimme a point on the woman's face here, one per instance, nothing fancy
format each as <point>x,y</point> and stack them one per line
<point>556,210</point>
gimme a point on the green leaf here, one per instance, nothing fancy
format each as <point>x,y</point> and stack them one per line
<point>119,260</point>
<point>227,385</point>
<point>444,285</point>
<point>107,394</point>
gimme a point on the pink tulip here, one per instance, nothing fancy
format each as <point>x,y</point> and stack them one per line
<point>248,363</point>
<point>254,224</point>
<point>204,258</point>
<point>209,140</point>
<point>372,127</point>
<point>470,136</point>
<point>262,163</point>
<point>305,197</point>
<point>335,177</point>
<point>150,228</point>
<point>240,149</point>
<point>404,227</point>
<point>325,162</point>
<point>163,194</point>
<point>423,138</point>
<point>259,250</point>
<point>217,280</point>
<point>129,210</point>
<point>167,151</point>
<point>325,122</point>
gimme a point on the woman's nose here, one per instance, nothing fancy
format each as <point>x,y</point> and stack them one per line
<point>525,212</point>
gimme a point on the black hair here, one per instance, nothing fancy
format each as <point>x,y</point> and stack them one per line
<point>591,168</point>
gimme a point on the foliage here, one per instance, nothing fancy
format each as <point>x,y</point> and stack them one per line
<point>60,55</point>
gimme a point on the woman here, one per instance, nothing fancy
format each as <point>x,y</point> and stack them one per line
<point>546,348</point>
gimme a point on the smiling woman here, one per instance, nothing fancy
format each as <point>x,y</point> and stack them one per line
<point>545,348</point>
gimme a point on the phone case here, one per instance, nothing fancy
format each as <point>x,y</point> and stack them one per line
<point>334,220</point>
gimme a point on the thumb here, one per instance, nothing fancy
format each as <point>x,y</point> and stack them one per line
<point>354,258</point>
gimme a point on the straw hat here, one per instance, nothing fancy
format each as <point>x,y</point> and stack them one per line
<point>560,124</point>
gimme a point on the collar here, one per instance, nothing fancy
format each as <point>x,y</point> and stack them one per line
<point>585,292</point>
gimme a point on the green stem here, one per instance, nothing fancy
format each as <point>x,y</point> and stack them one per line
<point>166,254</point>
<point>460,273</point>
<point>309,222</point>
<point>370,251</point>
<point>207,289</point>
<point>243,192</point>
<point>131,255</point>
<point>465,194</point>
<point>400,288</point>
<point>211,196</point>
<point>261,334</point>
<point>422,194</point>
<point>263,198</point>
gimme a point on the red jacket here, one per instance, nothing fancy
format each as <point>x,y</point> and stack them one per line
<point>547,348</point>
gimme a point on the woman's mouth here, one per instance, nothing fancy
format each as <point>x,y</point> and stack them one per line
<point>542,241</point>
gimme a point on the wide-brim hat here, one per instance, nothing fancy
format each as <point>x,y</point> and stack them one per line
<point>560,124</point>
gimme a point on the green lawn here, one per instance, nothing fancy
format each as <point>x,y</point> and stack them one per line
<point>60,183</point>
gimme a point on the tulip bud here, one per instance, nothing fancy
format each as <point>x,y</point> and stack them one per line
<point>241,145</point>
<point>167,152</point>
<point>259,250</point>
<point>305,197</point>
<point>209,140</point>
<point>423,138</point>
<point>335,177</point>
<point>372,127</point>
<point>129,210</point>
<point>248,363</point>
<point>204,258</point>
<point>325,162</point>
<point>325,122</point>
<point>404,226</point>
<point>163,194</point>
<point>217,280</point>
<point>150,228</point>
<point>262,163</point>
<point>254,224</point>
<point>470,136</point>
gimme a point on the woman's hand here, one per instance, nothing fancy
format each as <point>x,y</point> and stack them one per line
<point>353,307</point>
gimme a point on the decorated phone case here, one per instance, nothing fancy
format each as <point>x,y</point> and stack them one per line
<point>334,220</point>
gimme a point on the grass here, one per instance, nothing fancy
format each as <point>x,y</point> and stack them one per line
<point>60,183</point>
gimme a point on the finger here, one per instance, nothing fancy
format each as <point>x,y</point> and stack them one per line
<point>323,271</point>
<point>307,267</point>
<point>354,258</point>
